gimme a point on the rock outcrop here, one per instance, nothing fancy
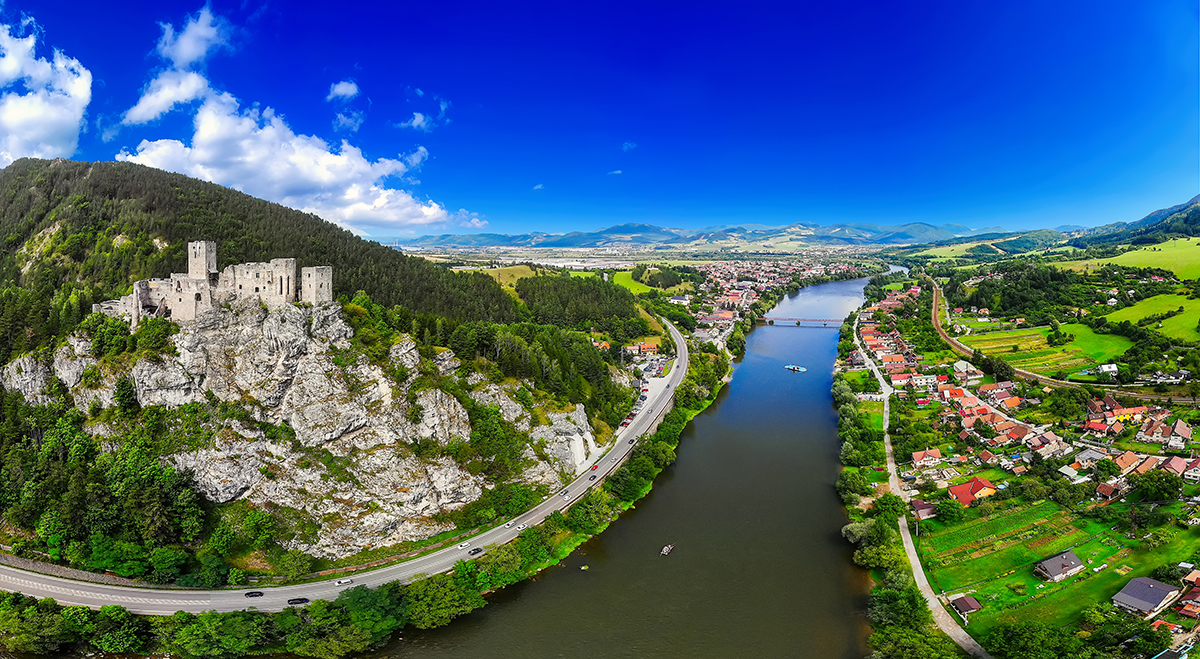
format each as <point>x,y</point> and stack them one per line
<point>350,467</point>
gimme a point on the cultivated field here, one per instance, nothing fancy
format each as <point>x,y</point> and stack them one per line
<point>1181,256</point>
<point>1182,326</point>
<point>992,559</point>
<point>1034,354</point>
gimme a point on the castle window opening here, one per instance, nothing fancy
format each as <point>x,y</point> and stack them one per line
<point>197,297</point>
<point>255,289</point>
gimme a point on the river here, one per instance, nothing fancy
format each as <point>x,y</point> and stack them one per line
<point>759,565</point>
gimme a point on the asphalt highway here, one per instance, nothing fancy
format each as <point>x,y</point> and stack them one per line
<point>150,601</point>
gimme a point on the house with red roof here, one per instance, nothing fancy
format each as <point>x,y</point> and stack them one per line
<point>968,492</point>
<point>927,458</point>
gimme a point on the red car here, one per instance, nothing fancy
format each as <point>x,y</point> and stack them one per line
<point>625,423</point>
<point>595,467</point>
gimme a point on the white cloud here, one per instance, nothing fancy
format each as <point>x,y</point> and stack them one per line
<point>418,122</point>
<point>615,171</point>
<point>539,186</point>
<point>202,33</point>
<point>166,91</point>
<point>179,84</point>
<point>350,121</point>
<point>442,105</point>
<point>342,91</point>
<point>419,92</point>
<point>43,101</point>
<point>629,146</point>
<point>469,220</point>
<point>257,152</point>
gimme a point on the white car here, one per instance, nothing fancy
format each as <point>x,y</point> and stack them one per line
<point>343,582</point>
<point>521,527</point>
<point>508,526</point>
<point>464,545</point>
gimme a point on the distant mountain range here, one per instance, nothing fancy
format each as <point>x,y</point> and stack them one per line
<point>1179,220</point>
<point>647,235</point>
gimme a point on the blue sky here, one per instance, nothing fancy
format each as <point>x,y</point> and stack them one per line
<point>414,118</point>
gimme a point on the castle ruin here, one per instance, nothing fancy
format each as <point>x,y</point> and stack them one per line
<point>185,296</point>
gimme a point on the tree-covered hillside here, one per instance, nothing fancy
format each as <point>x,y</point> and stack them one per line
<point>74,233</point>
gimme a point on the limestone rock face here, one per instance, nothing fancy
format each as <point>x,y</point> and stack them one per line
<point>568,440</point>
<point>29,376</point>
<point>350,467</point>
<point>513,412</point>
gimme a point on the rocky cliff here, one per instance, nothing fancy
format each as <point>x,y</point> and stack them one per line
<point>350,468</point>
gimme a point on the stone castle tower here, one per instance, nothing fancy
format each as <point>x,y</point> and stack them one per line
<point>186,295</point>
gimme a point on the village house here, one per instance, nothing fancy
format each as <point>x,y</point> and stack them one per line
<point>1060,566</point>
<point>927,458</point>
<point>976,488</point>
<point>1145,597</point>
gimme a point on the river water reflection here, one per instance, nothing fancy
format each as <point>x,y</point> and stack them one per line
<point>759,568</point>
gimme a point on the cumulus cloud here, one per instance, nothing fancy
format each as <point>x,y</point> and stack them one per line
<point>166,91</point>
<point>202,33</point>
<point>469,220</point>
<point>257,152</point>
<point>342,91</point>
<point>615,171</point>
<point>418,122</point>
<point>350,121</point>
<point>179,84</point>
<point>43,101</point>
<point>419,92</point>
<point>539,186</point>
<point>629,146</point>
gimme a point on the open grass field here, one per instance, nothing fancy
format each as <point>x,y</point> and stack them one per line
<point>947,251</point>
<point>1182,326</point>
<point>874,413</point>
<point>1181,256</point>
<point>625,278</point>
<point>1034,354</point>
<point>509,275</point>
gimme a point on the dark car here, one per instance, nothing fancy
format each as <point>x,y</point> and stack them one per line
<point>475,552</point>
<point>297,600</point>
<point>593,477</point>
<point>254,593</point>
<point>632,441</point>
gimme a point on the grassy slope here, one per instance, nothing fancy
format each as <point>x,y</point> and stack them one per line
<point>1182,326</point>
<point>1181,256</point>
<point>1034,354</point>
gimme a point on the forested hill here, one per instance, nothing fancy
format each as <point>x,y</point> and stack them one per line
<point>91,229</point>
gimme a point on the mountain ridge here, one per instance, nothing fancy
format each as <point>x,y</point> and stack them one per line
<point>630,234</point>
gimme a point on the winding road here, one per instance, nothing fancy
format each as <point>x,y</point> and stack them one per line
<point>149,601</point>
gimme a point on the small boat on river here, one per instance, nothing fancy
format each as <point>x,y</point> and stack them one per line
<point>666,550</point>
<point>796,369</point>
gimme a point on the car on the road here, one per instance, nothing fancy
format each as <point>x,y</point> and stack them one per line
<point>475,552</point>
<point>508,526</point>
<point>646,389</point>
<point>566,495</point>
<point>463,545</point>
<point>633,440</point>
<point>254,593</point>
<point>625,423</point>
<point>521,527</point>
<point>296,601</point>
<point>595,467</point>
<point>343,582</point>
<point>593,477</point>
